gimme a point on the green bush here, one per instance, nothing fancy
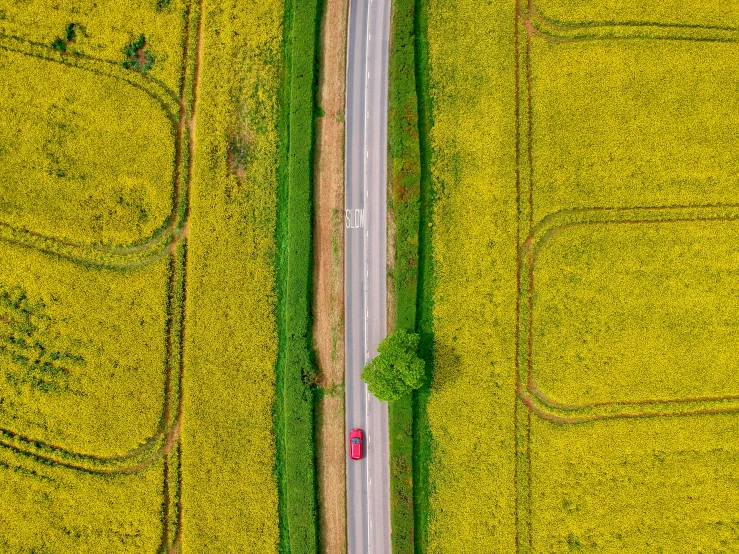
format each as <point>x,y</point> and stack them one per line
<point>397,370</point>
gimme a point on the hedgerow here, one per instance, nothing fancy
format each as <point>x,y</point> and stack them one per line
<point>405,175</point>
<point>297,368</point>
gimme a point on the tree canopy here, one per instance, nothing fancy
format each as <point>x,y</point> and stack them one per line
<point>397,369</point>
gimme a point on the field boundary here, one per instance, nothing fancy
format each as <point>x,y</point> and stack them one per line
<point>558,31</point>
<point>530,400</point>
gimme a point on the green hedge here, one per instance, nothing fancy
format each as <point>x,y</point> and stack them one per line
<point>296,367</point>
<point>405,175</point>
<point>424,307</point>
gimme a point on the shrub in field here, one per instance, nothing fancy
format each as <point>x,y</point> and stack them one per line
<point>63,171</point>
<point>138,56</point>
<point>396,370</point>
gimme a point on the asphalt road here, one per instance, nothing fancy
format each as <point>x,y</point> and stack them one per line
<point>368,480</point>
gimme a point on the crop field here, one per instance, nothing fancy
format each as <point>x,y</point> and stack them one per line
<point>588,170</point>
<point>120,431</point>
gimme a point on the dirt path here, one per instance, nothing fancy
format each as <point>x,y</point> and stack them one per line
<point>328,301</point>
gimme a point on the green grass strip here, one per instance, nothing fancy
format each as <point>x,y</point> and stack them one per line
<point>422,447</point>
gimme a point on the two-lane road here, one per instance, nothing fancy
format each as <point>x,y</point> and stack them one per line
<point>368,481</point>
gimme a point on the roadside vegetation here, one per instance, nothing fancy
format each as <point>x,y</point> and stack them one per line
<point>297,370</point>
<point>404,194</point>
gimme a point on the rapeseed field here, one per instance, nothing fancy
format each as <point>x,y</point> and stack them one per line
<point>683,12</point>
<point>633,312</point>
<point>85,157</point>
<point>229,490</point>
<point>83,351</point>
<point>472,402</point>
<point>604,134</point>
<point>132,222</point>
<point>585,204</point>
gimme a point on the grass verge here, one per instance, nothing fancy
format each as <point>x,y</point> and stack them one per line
<point>296,368</point>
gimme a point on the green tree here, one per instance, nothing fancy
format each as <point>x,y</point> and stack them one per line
<point>397,369</point>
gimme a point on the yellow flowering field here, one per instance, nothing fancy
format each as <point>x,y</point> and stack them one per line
<point>85,157</point>
<point>83,352</point>
<point>642,485</point>
<point>53,509</point>
<point>633,312</point>
<point>585,209</point>
<point>102,29</point>
<point>90,118</point>
<point>472,403</point>
<point>604,134</point>
<point>229,490</point>
<point>138,341</point>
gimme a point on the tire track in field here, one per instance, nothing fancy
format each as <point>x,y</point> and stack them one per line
<point>545,232</point>
<point>151,248</point>
<point>556,31</point>
<point>176,546</point>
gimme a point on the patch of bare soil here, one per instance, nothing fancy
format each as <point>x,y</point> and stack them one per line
<point>328,301</point>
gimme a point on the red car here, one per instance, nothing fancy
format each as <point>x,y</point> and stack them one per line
<point>355,444</point>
